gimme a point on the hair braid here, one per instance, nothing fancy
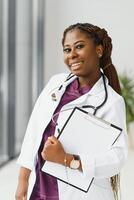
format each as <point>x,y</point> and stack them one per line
<point>100,36</point>
<point>106,61</point>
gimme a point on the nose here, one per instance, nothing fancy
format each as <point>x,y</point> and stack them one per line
<point>73,54</point>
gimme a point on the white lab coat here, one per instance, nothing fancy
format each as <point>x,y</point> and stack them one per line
<point>103,166</point>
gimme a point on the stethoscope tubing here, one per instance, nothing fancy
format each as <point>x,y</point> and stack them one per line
<point>91,106</point>
<point>104,101</point>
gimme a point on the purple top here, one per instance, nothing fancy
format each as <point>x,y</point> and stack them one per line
<point>46,187</point>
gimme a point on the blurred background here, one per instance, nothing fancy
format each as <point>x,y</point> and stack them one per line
<point>31,52</point>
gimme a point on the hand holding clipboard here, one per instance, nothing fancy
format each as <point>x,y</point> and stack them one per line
<point>82,133</point>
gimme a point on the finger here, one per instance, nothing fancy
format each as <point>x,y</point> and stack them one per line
<point>19,198</point>
<point>53,139</point>
<point>43,155</point>
<point>47,143</point>
<point>25,198</point>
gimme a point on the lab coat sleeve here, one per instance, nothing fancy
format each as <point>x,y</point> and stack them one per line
<point>108,164</point>
<point>26,157</point>
<point>28,154</point>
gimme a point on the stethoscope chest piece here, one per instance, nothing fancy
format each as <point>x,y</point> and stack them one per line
<point>53,95</point>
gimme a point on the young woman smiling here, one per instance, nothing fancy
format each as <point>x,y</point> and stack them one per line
<point>87,53</point>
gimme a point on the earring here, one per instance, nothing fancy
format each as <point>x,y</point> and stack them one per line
<point>99,55</point>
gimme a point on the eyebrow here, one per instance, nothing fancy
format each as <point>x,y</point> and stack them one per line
<point>74,43</point>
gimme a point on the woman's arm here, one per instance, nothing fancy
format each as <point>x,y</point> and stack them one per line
<point>22,188</point>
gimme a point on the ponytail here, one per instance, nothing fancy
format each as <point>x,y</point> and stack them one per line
<point>112,76</point>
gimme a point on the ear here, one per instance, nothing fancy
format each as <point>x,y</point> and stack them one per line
<point>99,50</point>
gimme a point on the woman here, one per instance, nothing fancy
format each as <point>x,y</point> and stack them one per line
<point>87,51</point>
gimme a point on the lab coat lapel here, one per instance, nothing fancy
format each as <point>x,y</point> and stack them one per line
<point>90,97</point>
<point>46,112</point>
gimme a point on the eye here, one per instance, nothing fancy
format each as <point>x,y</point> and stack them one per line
<point>79,46</point>
<point>66,50</point>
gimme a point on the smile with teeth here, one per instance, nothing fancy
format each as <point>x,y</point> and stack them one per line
<point>76,65</point>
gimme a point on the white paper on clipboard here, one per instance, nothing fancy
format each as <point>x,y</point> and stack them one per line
<point>82,133</point>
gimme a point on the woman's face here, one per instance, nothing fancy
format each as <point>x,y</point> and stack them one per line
<point>81,54</point>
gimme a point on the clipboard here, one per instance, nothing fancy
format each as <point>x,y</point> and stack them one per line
<point>82,133</point>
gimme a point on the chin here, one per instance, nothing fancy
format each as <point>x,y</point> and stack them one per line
<point>77,73</point>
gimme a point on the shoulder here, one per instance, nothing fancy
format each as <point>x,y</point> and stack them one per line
<point>58,78</point>
<point>54,82</point>
<point>115,98</point>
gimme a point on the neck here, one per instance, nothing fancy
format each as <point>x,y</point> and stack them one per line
<point>89,80</point>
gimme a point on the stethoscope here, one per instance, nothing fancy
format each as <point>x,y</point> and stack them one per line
<point>86,106</point>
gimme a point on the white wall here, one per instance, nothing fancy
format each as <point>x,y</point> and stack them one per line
<point>115,16</point>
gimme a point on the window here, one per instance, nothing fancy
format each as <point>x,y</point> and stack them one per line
<point>21,69</point>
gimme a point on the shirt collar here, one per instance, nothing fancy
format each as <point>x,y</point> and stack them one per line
<point>96,88</point>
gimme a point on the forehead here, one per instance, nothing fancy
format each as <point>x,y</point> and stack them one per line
<point>74,36</point>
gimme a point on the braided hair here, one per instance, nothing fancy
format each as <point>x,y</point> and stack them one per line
<point>100,36</point>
